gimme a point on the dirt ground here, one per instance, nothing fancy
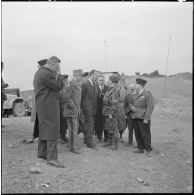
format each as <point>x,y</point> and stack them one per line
<point>104,170</point>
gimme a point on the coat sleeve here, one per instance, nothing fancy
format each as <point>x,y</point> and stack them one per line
<point>126,104</point>
<point>149,107</point>
<point>66,97</point>
<point>83,89</point>
<point>53,83</point>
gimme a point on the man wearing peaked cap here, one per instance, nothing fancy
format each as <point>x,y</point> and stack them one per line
<point>85,74</point>
<point>142,108</point>
<point>141,81</point>
<point>78,72</point>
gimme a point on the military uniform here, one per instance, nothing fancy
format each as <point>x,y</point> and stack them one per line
<point>110,110</point>
<point>144,106</point>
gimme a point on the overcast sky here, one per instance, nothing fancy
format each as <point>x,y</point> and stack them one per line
<point>137,35</point>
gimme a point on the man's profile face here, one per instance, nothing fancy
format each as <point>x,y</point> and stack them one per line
<point>101,81</point>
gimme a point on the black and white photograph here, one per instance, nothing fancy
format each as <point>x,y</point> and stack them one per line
<point>97,97</point>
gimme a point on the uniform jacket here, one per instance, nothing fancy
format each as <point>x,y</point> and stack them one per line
<point>89,98</point>
<point>47,91</point>
<point>128,103</point>
<point>144,105</point>
<point>71,97</point>
<point>3,94</point>
<point>121,111</point>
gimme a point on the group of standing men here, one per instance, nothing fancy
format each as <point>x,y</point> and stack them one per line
<point>90,104</point>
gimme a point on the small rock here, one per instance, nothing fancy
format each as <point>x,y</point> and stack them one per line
<point>189,188</point>
<point>10,145</point>
<point>140,180</point>
<point>162,155</point>
<point>45,185</point>
<point>37,164</point>
<point>34,170</point>
<point>188,161</point>
<point>146,183</point>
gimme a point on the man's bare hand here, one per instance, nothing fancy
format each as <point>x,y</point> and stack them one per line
<point>145,121</point>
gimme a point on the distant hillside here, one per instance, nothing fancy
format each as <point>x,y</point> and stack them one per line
<point>185,75</point>
<point>175,88</point>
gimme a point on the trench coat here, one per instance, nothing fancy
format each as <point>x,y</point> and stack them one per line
<point>47,93</point>
<point>70,98</point>
<point>33,111</point>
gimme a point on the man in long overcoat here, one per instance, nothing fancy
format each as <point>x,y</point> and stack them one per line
<point>89,106</point>
<point>100,118</point>
<point>47,85</point>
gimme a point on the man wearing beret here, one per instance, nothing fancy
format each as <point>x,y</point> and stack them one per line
<point>111,105</point>
<point>47,88</point>
<point>89,106</point>
<point>142,108</point>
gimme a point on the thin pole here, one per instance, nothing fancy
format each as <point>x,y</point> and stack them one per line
<point>105,57</point>
<point>167,67</point>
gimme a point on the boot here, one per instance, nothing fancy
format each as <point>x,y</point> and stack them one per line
<point>109,143</point>
<point>115,143</point>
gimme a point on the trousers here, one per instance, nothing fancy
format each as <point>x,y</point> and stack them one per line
<point>142,134</point>
<point>73,137</point>
<point>47,149</point>
<point>130,128</point>
<point>88,128</point>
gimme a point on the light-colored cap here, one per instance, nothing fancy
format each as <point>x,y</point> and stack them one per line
<point>78,72</point>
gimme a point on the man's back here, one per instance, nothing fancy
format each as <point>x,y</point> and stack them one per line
<point>88,97</point>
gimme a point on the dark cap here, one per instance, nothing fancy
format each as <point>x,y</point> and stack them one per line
<point>42,62</point>
<point>114,78</point>
<point>64,76</point>
<point>85,74</point>
<point>141,81</point>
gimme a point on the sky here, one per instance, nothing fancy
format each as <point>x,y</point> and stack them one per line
<point>137,37</point>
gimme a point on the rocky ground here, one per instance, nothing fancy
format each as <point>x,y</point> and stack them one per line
<point>104,170</point>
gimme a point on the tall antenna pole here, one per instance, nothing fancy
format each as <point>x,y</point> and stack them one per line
<point>105,57</point>
<point>167,67</point>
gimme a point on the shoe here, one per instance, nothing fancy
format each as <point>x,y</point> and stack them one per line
<point>63,139</point>
<point>121,140</point>
<point>138,151</point>
<point>99,141</point>
<point>75,151</point>
<point>55,163</point>
<point>148,154</point>
<point>115,143</point>
<point>42,159</point>
<point>91,145</point>
<point>28,141</point>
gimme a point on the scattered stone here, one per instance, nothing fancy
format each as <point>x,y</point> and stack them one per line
<point>140,180</point>
<point>189,188</point>
<point>10,145</point>
<point>188,161</point>
<point>146,183</point>
<point>162,155</point>
<point>34,170</point>
<point>37,164</point>
<point>45,185</point>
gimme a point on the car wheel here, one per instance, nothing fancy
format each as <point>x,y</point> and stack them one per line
<point>19,109</point>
